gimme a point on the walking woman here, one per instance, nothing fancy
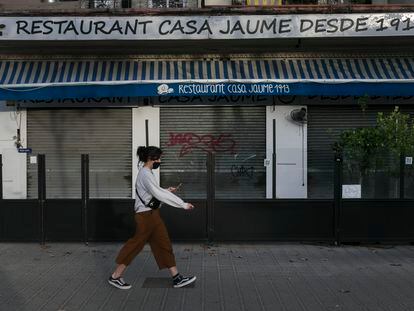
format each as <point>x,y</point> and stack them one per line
<point>149,225</point>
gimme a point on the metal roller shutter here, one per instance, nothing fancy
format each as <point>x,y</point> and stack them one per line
<point>324,127</point>
<point>64,134</point>
<point>237,136</point>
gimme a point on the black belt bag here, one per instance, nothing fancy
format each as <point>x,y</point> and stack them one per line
<point>154,203</point>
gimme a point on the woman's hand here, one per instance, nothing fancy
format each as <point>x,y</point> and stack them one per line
<point>174,189</point>
<point>189,206</point>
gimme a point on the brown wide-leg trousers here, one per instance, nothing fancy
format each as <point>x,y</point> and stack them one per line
<point>149,228</point>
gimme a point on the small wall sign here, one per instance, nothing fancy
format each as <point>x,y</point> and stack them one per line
<point>408,160</point>
<point>351,191</point>
<point>24,150</point>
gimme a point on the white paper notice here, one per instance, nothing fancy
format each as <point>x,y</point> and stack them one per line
<point>351,191</point>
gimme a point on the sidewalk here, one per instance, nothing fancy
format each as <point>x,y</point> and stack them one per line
<point>230,277</point>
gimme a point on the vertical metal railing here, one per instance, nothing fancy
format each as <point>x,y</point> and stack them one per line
<point>146,133</point>
<point>210,195</point>
<point>1,197</point>
<point>274,160</point>
<point>402,176</point>
<point>1,177</point>
<point>41,190</point>
<point>337,198</point>
<point>85,194</point>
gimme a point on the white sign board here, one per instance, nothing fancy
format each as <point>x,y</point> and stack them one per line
<point>409,160</point>
<point>351,191</point>
<point>206,27</point>
<point>33,160</point>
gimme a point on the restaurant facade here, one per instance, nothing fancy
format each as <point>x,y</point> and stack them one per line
<point>246,108</point>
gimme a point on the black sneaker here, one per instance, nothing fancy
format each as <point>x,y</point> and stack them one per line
<point>119,283</point>
<point>181,281</point>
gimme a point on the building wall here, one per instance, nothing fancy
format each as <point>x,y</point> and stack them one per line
<point>291,153</point>
<point>217,2</point>
<point>139,3</point>
<point>67,5</point>
<point>140,116</point>
<point>44,4</point>
<point>14,163</point>
<point>37,4</point>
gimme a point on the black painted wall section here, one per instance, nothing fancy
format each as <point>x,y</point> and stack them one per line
<point>188,225</point>
<point>63,220</point>
<point>19,220</point>
<point>234,220</point>
<point>110,220</point>
<point>377,220</point>
<point>275,220</point>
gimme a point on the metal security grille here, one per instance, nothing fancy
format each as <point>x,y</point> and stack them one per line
<point>324,127</point>
<point>237,137</point>
<point>64,134</point>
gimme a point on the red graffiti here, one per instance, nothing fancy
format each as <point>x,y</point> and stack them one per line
<point>209,143</point>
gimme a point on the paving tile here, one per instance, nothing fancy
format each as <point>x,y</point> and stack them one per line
<point>250,276</point>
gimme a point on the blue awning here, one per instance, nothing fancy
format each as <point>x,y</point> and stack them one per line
<point>51,79</point>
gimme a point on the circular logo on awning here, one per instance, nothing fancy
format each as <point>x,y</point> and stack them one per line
<point>164,89</point>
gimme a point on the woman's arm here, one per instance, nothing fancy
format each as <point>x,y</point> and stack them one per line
<point>163,195</point>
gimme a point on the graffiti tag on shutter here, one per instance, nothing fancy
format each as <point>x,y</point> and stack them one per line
<point>208,142</point>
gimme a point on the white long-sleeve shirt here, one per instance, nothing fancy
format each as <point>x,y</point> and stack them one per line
<point>147,188</point>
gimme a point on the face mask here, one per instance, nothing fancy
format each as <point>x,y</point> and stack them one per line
<point>156,165</point>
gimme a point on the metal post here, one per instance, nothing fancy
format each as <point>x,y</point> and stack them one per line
<point>337,198</point>
<point>146,133</point>
<point>41,194</point>
<point>210,195</point>
<point>85,194</point>
<point>402,176</point>
<point>274,161</point>
<point>1,177</point>
<point>1,196</point>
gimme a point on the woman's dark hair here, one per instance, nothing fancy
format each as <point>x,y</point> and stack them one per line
<point>148,153</point>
